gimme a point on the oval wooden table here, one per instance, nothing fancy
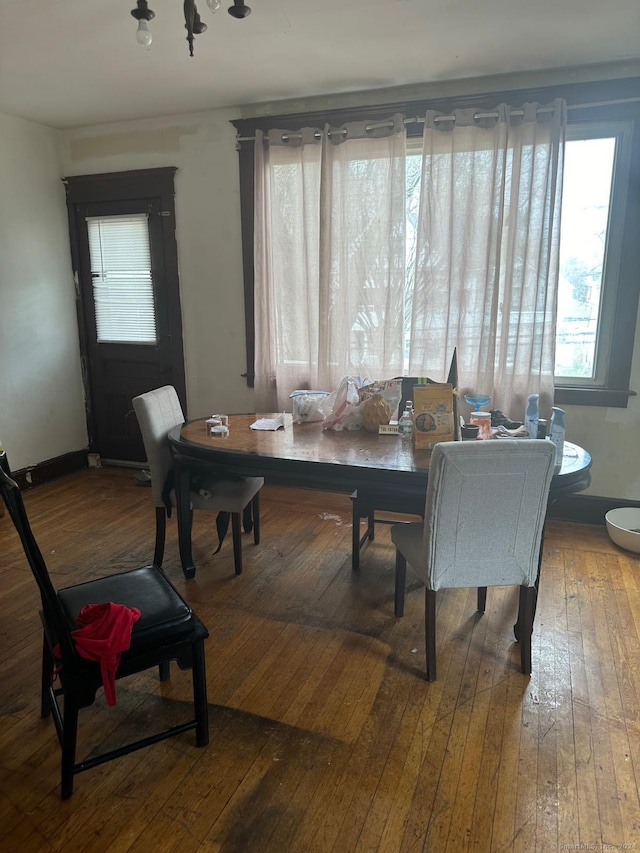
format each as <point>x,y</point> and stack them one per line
<point>306,456</point>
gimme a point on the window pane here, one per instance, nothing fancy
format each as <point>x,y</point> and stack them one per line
<point>586,196</point>
<point>122,282</point>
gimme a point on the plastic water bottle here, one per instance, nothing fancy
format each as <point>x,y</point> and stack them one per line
<point>557,431</point>
<point>405,424</point>
<point>531,415</point>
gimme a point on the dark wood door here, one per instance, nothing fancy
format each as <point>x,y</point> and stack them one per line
<point>115,371</point>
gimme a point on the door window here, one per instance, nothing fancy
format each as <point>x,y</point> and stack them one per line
<point>121,278</point>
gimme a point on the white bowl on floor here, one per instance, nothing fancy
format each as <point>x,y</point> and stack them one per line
<point>623,527</point>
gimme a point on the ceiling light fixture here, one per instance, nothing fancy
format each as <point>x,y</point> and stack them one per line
<point>192,22</point>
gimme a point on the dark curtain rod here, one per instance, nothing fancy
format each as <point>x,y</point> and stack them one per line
<point>477,117</point>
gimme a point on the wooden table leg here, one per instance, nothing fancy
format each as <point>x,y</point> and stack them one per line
<point>185,517</point>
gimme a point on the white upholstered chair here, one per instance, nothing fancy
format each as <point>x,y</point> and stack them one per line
<point>365,503</point>
<point>158,412</point>
<point>484,516</point>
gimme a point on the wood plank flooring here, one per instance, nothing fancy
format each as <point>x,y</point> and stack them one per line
<point>324,734</point>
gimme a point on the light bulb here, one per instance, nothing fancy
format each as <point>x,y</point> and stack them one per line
<point>214,5</point>
<point>143,34</point>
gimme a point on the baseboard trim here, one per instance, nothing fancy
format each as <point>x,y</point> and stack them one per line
<point>586,509</point>
<point>51,469</point>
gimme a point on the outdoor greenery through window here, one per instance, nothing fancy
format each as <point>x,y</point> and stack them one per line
<point>585,214</point>
<point>589,250</point>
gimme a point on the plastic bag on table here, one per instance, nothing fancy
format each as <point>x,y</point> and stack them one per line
<point>305,406</point>
<point>343,407</point>
<point>389,389</point>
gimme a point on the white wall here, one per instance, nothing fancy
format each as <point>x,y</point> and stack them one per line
<point>611,436</point>
<point>41,398</point>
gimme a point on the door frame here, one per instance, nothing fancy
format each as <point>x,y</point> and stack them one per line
<point>127,186</point>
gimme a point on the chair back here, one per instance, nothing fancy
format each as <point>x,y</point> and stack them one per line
<point>452,376</point>
<point>409,382</point>
<point>158,412</point>
<point>484,513</point>
<point>52,609</point>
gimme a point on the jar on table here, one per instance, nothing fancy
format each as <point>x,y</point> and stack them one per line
<point>469,432</point>
<point>483,422</point>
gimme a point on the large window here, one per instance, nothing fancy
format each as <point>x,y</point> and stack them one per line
<point>600,229</point>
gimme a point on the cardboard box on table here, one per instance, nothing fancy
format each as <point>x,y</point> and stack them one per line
<point>434,409</point>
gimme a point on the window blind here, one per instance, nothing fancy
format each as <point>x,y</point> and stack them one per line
<point>122,281</point>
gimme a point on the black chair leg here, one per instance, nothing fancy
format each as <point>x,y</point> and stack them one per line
<point>526,610</point>
<point>517,628</point>
<point>69,738</point>
<point>482,599</point>
<point>255,509</point>
<point>200,695</point>
<point>237,541</point>
<point>358,541</point>
<point>430,632</point>
<point>161,527</point>
<point>355,533</point>
<point>165,670</point>
<point>401,577</point>
<point>45,682</point>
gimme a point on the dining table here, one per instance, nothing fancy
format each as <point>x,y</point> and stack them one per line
<point>304,455</point>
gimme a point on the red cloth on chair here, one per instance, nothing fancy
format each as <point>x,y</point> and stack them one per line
<point>104,633</point>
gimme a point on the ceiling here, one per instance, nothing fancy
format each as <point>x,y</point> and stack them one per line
<point>70,63</point>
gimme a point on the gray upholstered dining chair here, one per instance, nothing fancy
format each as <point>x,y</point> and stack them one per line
<point>484,516</point>
<point>158,412</point>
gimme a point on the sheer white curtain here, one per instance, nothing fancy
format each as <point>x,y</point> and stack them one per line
<point>487,247</point>
<point>329,244</point>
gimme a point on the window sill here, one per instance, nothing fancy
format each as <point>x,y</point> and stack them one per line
<point>608,397</point>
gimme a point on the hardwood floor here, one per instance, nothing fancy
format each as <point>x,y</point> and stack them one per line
<point>324,734</point>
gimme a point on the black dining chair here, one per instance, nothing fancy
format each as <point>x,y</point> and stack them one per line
<point>364,503</point>
<point>166,630</point>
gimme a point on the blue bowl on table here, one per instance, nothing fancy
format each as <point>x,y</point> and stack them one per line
<point>477,400</point>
